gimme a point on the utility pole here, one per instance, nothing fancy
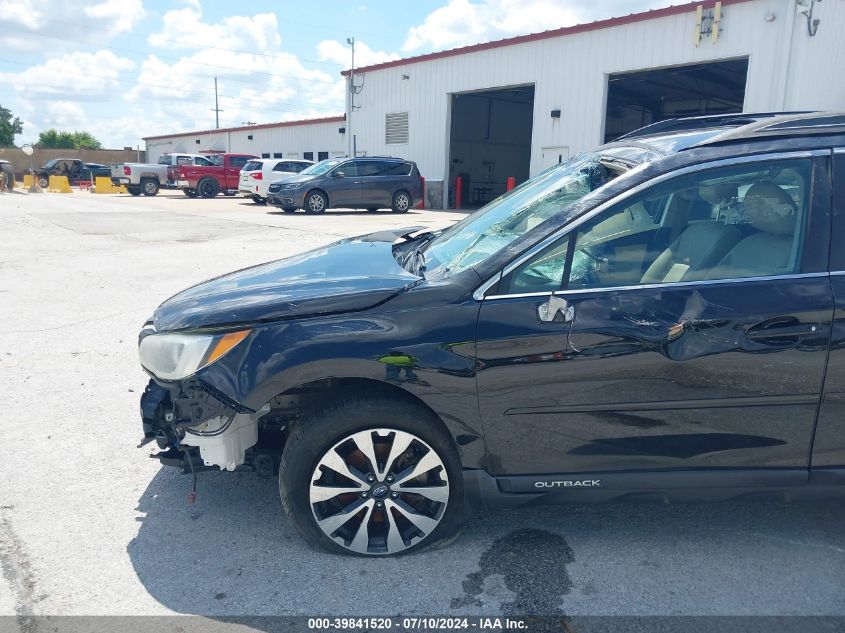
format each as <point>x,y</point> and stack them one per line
<point>349,137</point>
<point>216,109</point>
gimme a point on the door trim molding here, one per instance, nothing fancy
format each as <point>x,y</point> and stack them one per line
<point>674,284</point>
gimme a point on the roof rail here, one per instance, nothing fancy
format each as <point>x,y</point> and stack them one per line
<point>689,124</point>
<point>804,123</point>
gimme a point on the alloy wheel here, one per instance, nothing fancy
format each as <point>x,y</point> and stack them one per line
<point>316,204</point>
<point>379,491</point>
<point>402,202</point>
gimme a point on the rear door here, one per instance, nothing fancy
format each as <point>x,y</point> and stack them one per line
<point>690,332</point>
<point>828,464</point>
<point>374,193</point>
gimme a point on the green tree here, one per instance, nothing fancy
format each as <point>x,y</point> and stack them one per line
<point>53,139</point>
<point>9,127</point>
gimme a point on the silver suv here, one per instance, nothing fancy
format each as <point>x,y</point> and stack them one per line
<point>356,183</point>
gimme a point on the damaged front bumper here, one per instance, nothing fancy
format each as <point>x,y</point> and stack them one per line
<point>197,427</point>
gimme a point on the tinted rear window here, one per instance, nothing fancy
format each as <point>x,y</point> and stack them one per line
<point>398,169</point>
<point>252,165</point>
<point>239,161</point>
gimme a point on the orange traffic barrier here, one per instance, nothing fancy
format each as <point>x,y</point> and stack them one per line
<point>459,190</point>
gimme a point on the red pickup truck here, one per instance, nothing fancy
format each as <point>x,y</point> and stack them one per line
<point>206,182</point>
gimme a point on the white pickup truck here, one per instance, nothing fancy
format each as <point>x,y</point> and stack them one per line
<point>148,178</point>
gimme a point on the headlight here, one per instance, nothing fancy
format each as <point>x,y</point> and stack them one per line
<point>177,356</point>
<point>292,185</point>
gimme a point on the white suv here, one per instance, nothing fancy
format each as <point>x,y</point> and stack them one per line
<point>259,173</point>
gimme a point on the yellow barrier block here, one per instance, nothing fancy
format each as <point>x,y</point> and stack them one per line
<point>103,184</point>
<point>28,180</point>
<point>59,184</point>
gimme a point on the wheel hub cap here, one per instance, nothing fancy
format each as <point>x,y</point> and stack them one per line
<point>395,508</point>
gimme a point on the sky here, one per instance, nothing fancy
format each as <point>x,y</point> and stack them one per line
<point>126,69</point>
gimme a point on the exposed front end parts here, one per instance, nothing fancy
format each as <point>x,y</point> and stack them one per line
<point>223,441</point>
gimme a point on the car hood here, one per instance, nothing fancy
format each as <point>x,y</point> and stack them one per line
<point>353,274</point>
<point>299,178</point>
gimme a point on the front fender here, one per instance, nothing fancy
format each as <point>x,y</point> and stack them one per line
<point>426,352</point>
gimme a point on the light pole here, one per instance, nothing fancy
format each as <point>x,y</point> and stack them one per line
<point>29,151</point>
<point>349,134</point>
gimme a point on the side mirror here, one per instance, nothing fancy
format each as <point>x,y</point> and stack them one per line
<point>547,312</point>
<point>339,174</point>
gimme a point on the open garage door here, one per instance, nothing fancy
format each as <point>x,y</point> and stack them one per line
<point>490,142</point>
<point>640,98</point>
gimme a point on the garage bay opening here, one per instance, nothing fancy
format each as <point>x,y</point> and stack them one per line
<point>637,99</point>
<point>490,142</point>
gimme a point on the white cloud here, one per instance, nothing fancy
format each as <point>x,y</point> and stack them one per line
<point>463,22</point>
<point>38,25</point>
<point>184,28</point>
<point>64,115</point>
<point>120,15</point>
<point>334,51</point>
<point>257,80</point>
<point>80,75</point>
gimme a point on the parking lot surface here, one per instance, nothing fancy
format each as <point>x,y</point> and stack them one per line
<point>89,525</point>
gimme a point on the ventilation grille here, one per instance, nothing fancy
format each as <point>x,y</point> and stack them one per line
<point>396,128</point>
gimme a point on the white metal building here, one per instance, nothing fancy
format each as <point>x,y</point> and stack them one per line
<point>314,139</point>
<point>511,108</point>
<point>515,106</point>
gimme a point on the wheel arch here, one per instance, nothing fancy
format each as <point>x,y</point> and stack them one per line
<point>319,190</point>
<point>309,396</point>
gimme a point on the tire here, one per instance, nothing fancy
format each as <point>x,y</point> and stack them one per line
<point>134,191</point>
<point>259,200</point>
<point>304,477</point>
<point>289,209</point>
<point>401,201</point>
<point>149,186</point>
<point>191,193</point>
<point>43,182</point>
<point>316,202</point>
<point>207,188</point>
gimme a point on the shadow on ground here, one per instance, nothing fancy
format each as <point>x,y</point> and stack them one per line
<point>234,553</point>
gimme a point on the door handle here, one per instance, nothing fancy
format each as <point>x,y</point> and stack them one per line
<point>767,332</point>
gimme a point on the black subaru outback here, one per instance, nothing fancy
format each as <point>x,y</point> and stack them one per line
<point>664,316</point>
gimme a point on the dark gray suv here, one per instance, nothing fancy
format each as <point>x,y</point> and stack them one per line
<point>356,183</point>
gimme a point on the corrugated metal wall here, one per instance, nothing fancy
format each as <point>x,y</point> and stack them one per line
<point>788,69</point>
<point>292,141</point>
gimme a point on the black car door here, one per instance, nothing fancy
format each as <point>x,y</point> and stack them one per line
<point>688,330</point>
<point>828,461</point>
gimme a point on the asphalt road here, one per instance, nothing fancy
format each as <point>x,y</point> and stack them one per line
<point>89,525</point>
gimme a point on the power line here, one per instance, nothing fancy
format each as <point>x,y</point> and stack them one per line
<point>189,61</point>
<point>181,89</point>
<point>205,46</point>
